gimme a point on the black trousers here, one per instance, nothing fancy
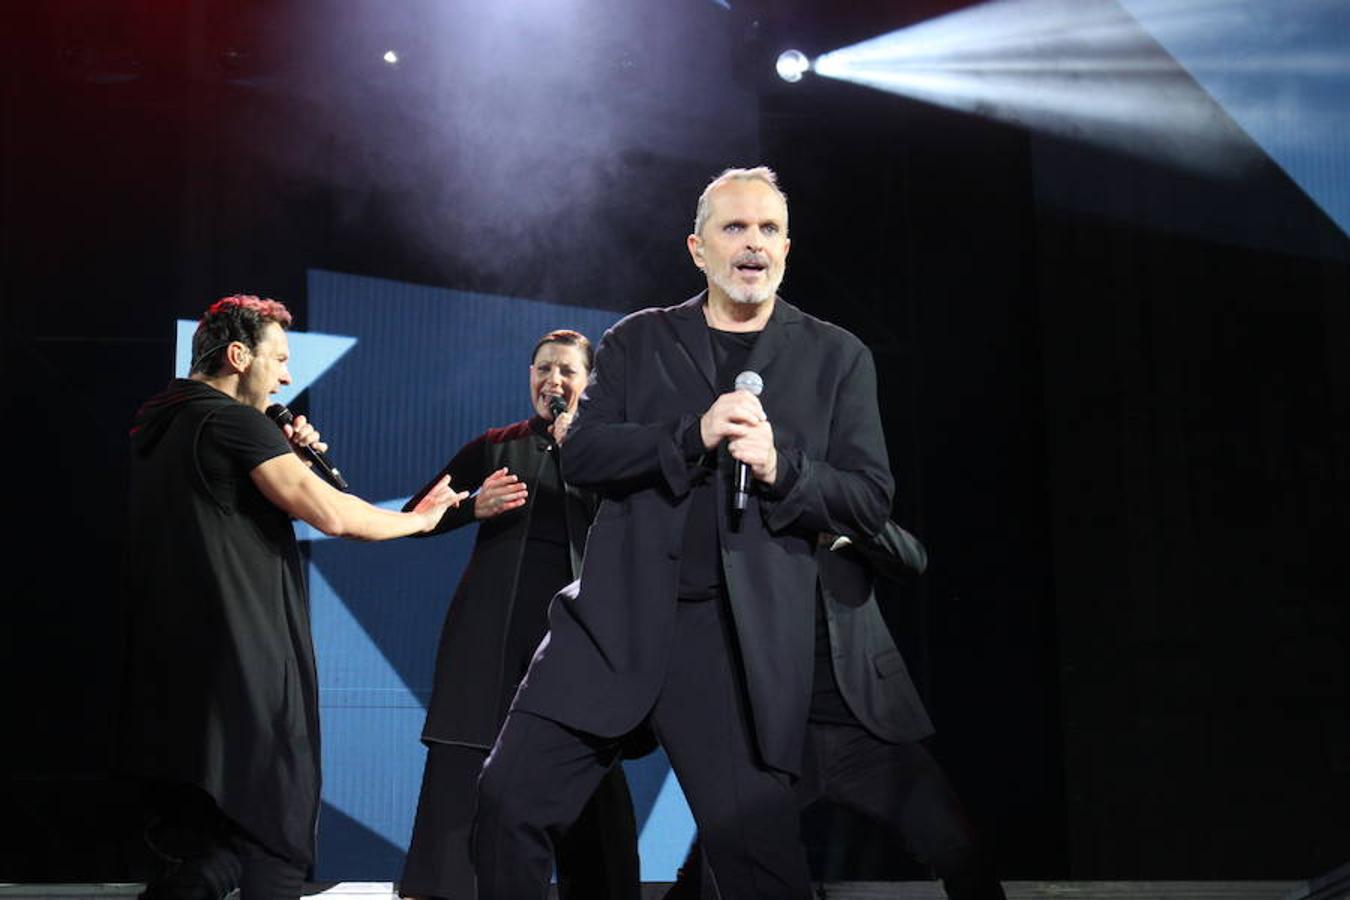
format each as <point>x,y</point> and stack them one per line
<point>901,787</point>
<point>597,856</point>
<point>206,855</point>
<point>540,773</point>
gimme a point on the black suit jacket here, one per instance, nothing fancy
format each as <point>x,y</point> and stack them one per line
<point>608,647</point>
<point>868,667</point>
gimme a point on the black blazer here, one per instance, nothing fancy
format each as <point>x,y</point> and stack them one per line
<point>604,660</point>
<point>868,667</point>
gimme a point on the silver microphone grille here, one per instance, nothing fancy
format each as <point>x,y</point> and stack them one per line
<point>750,381</point>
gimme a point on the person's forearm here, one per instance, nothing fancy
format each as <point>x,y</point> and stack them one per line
<point>894,553</point>
<point>604,450</point>
<point>291,487</point>
<point>355,518</point>
<point>853,502</point>
<point>599,454</point>
<point>850,491</point>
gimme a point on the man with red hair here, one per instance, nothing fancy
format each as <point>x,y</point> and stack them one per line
<point>220,708</point>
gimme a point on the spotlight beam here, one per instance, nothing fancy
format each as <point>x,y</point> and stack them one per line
<point>1088,69</point>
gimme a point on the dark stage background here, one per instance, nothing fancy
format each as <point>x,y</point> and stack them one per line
<point>1115,391</point>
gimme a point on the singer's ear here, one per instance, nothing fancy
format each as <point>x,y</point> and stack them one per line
<point>238,355</point>
<point>695,245</point>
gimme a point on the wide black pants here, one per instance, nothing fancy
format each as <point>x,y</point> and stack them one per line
<point>540,773</point>
<point>206,855</point>
<point>897,785</point>
<point>901,787</point>
<point>597,856</point>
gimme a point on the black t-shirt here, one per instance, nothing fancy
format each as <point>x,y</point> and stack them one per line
<point>701,556</point>
<point>236,439</point>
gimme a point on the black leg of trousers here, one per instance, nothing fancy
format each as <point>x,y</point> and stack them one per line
<point>268,877</point>
<point>693,880</point>
<point>212,854</point>
<point>597,855</point>
<point>438,863</point>
<point>536,780</point>
<point>902,787</point>
<point>747,814</point>
<point>540,774</point>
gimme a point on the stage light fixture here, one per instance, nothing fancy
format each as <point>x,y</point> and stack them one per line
<point>792,65</point>
<point>391,57</point>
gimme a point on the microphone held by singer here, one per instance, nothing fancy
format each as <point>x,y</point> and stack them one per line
<point>281,415</point>
<point>752,383</point>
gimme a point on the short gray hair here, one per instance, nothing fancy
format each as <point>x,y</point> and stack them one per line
<point>758,173</point>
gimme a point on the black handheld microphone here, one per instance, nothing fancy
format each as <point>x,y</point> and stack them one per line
<point>740,491</point>
<point>278,413</point>
<point>557,405</point>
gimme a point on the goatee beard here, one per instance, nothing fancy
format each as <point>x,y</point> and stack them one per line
<point>744,296</point>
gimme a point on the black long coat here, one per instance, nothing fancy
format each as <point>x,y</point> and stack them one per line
<point>609,640</point>
<point>220,688</point>
<point>472,687</point>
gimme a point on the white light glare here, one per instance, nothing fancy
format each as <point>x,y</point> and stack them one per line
<point>391,57</point>
<point>1085,69</point>
<point>792,64</point>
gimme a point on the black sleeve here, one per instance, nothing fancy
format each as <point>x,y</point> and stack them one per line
<point>245,436</point>
<point>849,492</point>
<point>604,450</point>
<point>467,471</point>
<point>893,552</point>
